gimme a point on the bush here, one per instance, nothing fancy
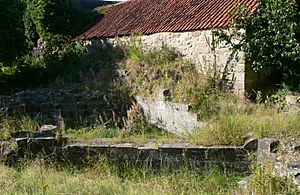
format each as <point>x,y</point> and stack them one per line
<point>32,71</point>
<point>51,22</point>
<point>272,37</point>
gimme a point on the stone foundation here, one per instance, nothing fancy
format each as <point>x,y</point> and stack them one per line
<point>149,156</point>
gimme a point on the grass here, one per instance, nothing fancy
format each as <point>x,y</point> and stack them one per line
<point>136,128</point>
<point>229,121</point>
<point>39,178</point>
<point>16,122</point>
<point>117,135</point>
<point>264,181</point>
<point>237,120</point>
<point>96,131</point>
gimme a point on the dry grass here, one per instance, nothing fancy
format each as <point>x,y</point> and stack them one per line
<point>237,120</point>
<point>17,122</point>
<point>38,178</point>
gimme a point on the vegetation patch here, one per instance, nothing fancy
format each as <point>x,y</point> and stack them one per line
<point>18,122</point>
<point>164,68</point>
<point>41,177</point>
<point>136,128</point>
<point>38,177</point>
<point>271,38</point>
<point>237,120</point>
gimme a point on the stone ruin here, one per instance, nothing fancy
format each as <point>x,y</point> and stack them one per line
<point>282,155</point>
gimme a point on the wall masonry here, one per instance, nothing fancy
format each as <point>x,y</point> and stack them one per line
<point>149,156</point>
<point>197,47</point>
<point>174,117</point>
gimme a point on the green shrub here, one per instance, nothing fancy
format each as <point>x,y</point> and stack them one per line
<point>271,38</point>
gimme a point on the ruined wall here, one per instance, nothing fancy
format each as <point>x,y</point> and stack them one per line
<point>149,156</point>
<point>173,117</point>
<point>197,47</point>
<point>70,105</point>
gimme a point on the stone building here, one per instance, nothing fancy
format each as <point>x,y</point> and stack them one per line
<point>185,25</point>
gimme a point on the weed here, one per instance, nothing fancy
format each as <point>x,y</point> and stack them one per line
<point>134,51</point>
<point>28,123</point>
<point>136,122</point>
<point>93,132</point>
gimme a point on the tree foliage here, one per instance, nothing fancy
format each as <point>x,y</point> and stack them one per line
<point>55,17</point>
<point>22,24</point>
<point>12,37</point>
<point>271,38</point>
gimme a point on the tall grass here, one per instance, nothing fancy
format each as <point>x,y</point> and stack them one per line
<point>41,177</point>
<point>236,120</point>
<point>16,122</point>
<point>38,178</point>
<point>265,181</point>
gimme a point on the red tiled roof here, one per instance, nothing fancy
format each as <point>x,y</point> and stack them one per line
<point>152,16</point>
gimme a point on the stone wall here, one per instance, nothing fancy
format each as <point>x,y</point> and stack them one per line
<point>197,47</point>
<point>149,156</point>
<point>70,105</point>
<point>282,156</point>
<point>161,157</point>
<point>173,117</point>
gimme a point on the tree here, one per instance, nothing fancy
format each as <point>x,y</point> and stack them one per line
<point>272,37</point>
<point>12,38</point>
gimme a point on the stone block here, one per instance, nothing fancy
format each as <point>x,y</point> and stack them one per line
<point>251,145</point>
<point>239,86</point>
<point>170,116</point>
<point>239,76</point>
<point>266,149</point>
<point>221,154</point>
